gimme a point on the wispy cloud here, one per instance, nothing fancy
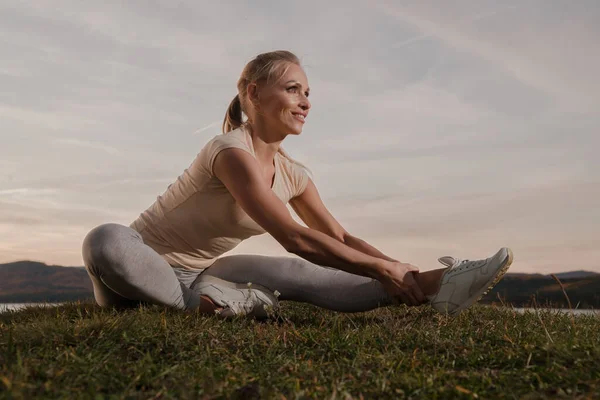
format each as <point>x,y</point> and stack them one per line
<point>476,17</point>
<point>531,61</point>
<point>90,145</point>
<point>209,126</point>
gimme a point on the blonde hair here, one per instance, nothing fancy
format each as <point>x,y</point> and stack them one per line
<point>266,67</point>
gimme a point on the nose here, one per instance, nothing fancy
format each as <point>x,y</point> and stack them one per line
<point>305,103</point>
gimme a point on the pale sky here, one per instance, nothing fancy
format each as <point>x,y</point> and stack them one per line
<point>437,128</point>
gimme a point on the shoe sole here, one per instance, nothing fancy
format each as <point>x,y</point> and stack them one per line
<point>495,279</point>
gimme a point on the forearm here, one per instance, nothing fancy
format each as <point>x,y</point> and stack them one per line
<point>362,246</point>
<point>429,281</point>
<point>324,250</point>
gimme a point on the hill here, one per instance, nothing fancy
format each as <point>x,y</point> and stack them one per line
<point>582,287</point>
<point>32,282</point>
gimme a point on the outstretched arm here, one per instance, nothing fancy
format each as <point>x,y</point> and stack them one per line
<point>312,211</point>
<point>241,175</point>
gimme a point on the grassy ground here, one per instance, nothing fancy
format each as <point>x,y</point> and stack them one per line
<point>82,351</point>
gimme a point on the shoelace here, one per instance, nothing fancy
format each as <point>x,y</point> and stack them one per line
<point>246,305</point>
<point>462,265</point>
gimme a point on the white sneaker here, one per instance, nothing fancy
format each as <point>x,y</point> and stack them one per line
<point>465,281</point>
<point>247,299</point>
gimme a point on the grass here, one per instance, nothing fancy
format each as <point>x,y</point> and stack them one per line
<point>79,350</point>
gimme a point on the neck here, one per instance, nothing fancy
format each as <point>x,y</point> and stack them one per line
<point>265,143</point>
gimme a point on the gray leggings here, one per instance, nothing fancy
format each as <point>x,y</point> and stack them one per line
<point>125,272</point>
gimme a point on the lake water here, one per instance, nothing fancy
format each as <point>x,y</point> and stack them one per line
<point>18,306</point>
<point>562,310</point>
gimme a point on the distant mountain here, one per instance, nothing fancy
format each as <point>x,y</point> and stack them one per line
<point>576,274</point>
<point>561,275</point>
<point>32,282</point>
<point>522,290</point>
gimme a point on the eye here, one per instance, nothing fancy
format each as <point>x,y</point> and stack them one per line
<point>294,89</point>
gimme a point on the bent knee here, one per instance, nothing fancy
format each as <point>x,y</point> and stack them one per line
<point>104,244</point>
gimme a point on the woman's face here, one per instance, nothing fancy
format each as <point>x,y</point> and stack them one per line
<point>283,106</point>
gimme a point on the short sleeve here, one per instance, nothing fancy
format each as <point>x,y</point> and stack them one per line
<point>300,179</point>
<point>218,144</point>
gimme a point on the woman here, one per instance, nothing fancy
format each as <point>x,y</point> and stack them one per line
<point>237,187</point>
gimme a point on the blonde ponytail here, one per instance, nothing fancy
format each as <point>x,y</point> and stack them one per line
<point>233,116</point>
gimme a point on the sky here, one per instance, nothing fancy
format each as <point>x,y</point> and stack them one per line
<point>437,128</point>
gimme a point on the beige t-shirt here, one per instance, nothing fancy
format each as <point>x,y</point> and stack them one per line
<point>196,219</point>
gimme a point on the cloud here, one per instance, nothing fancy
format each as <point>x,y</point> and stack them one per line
<point>209,126</point>
<point>91,145</point>
<point>477,17</point>
<point>526,54</point>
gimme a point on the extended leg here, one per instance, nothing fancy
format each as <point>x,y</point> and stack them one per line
<point>299,280</point>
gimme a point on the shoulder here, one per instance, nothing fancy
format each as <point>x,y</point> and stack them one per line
<point>296,173</point>
<point>291,163</point>
<point>233,139</point>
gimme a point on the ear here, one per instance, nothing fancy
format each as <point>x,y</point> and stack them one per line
<point>253,93</point>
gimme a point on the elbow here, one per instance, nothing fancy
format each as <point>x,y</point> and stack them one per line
<point>344,236</point>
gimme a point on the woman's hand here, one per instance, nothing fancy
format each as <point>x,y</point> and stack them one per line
<point>398,279</point>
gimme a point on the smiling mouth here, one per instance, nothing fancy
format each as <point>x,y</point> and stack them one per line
<point>299,117</point>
